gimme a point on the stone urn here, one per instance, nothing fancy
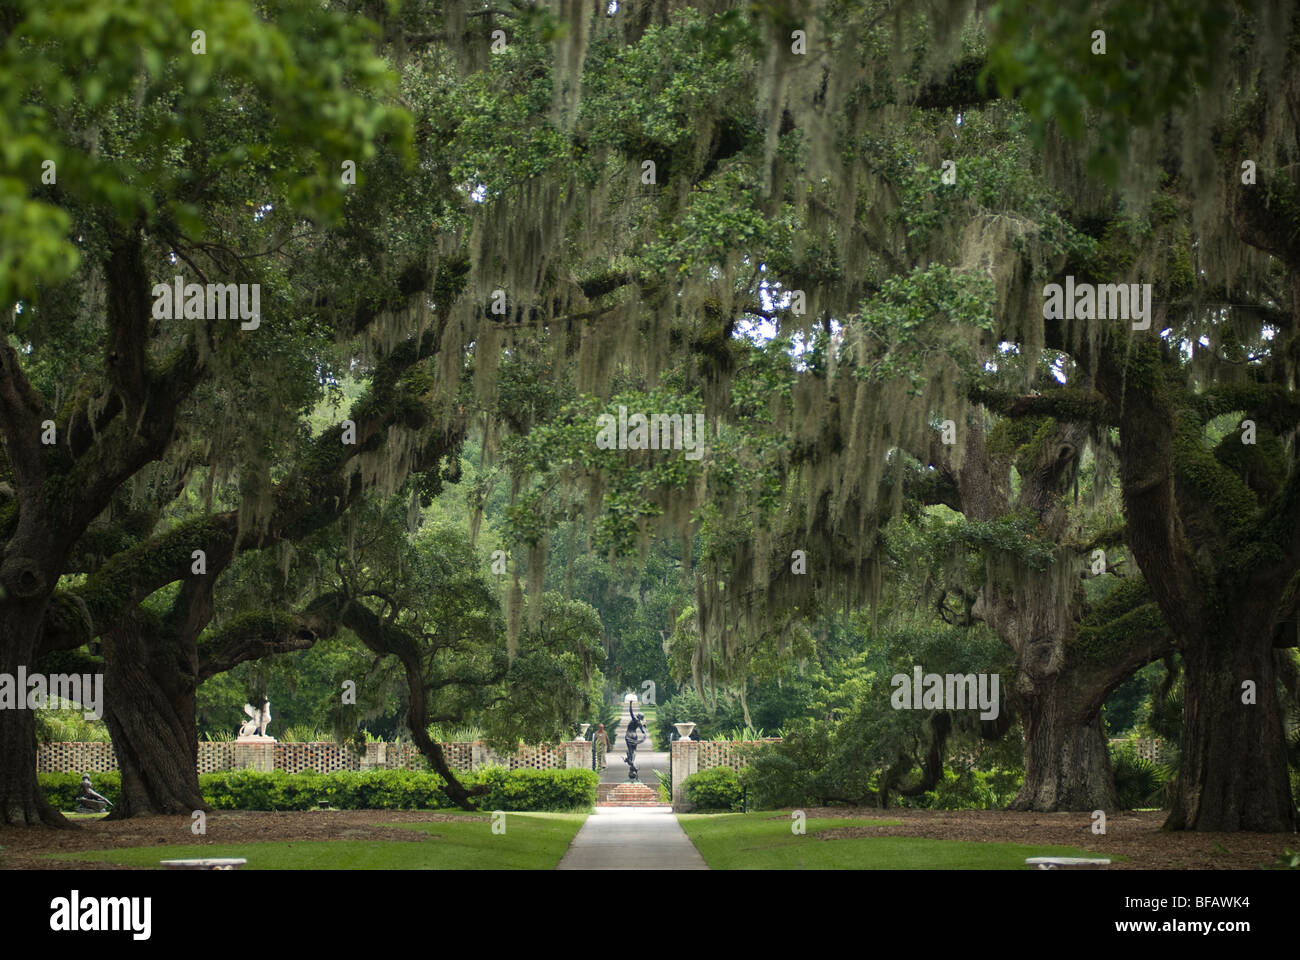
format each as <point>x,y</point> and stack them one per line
<point>684,730</point>
<point>584,728</point>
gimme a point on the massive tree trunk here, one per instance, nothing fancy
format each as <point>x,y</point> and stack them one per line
<point>1067,758</point>
<point>1233,772</point>
<point>1062,678</point>
<point>154,668</point>
<point>150,712</point>
<point>25,586</point>
<point>1218,561</point>
<point>21,799</point>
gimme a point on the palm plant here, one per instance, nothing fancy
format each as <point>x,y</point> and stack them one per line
<point>665,786</point>
<point>1138,781</point>
<point>302,733</point>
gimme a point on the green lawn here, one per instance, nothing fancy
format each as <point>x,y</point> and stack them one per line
<point>753,841</point>
<point>532,841</point>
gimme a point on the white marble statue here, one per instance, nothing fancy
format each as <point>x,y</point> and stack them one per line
<point>254,728</point>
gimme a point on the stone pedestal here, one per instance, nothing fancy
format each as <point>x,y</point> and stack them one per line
<point>254,753</point>
<point>686,760</point>
<point>375,757</point>
<point>577,755</point>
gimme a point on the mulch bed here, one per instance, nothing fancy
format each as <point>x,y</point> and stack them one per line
<point>1134,835</point>
<point>24,846</point>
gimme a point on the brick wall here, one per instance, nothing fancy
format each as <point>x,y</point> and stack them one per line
<point>1152,750</point>
<point>75,758</point>
<point>325,757</point>
<point>544,756</point>
<point>692,756</point>
<point>728,753</point>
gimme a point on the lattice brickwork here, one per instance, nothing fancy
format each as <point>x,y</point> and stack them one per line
<point>545,756</point>
<point>324,757</point>
<point>1152,750</point>
<point>460,756</point>
<point>215,756</point>
<point>75,758</point>
<point>320,757</point>
<point>729,753</point>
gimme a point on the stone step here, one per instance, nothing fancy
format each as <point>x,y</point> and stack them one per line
<point>632,803</point>
<point>626,793</point>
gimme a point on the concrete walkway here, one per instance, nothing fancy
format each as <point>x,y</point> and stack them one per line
<point>640,838</point>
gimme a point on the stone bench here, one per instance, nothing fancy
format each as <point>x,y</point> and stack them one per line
<point>1066,863</point>
<point>214,863</point>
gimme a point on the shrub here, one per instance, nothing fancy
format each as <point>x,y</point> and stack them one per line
<point>69,726</point>
<point>665,786</point>
<point>970,790</point>
<point>526,789</point>
<point>782,774</point>
<point>717,788</point>
<point>519,790</point>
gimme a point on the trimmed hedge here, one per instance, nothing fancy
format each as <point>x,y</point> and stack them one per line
<point>717,788</point>
<point>520,790</point>
<point>528,789</point>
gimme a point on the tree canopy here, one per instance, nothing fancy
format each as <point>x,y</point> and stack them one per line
<point>827,230</point>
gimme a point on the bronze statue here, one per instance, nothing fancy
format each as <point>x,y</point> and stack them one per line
<point>88,801</point>
<point>636,734</point>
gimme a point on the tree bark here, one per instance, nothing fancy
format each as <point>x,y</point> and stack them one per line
<point>1233,772</point>
<point>149,692</point>
<point>21,799</point>
<point>1059,689</point>
<point>1219,561</point>
<point>1067,756</point>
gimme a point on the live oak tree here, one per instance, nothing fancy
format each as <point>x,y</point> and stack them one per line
<point>156,151</point>
<point>1242,347</point>
<point>1213,528</point>
<point>422,602</point>
<point>1076,633</point>
<point>1206,167</point>
<point>843,433</point>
